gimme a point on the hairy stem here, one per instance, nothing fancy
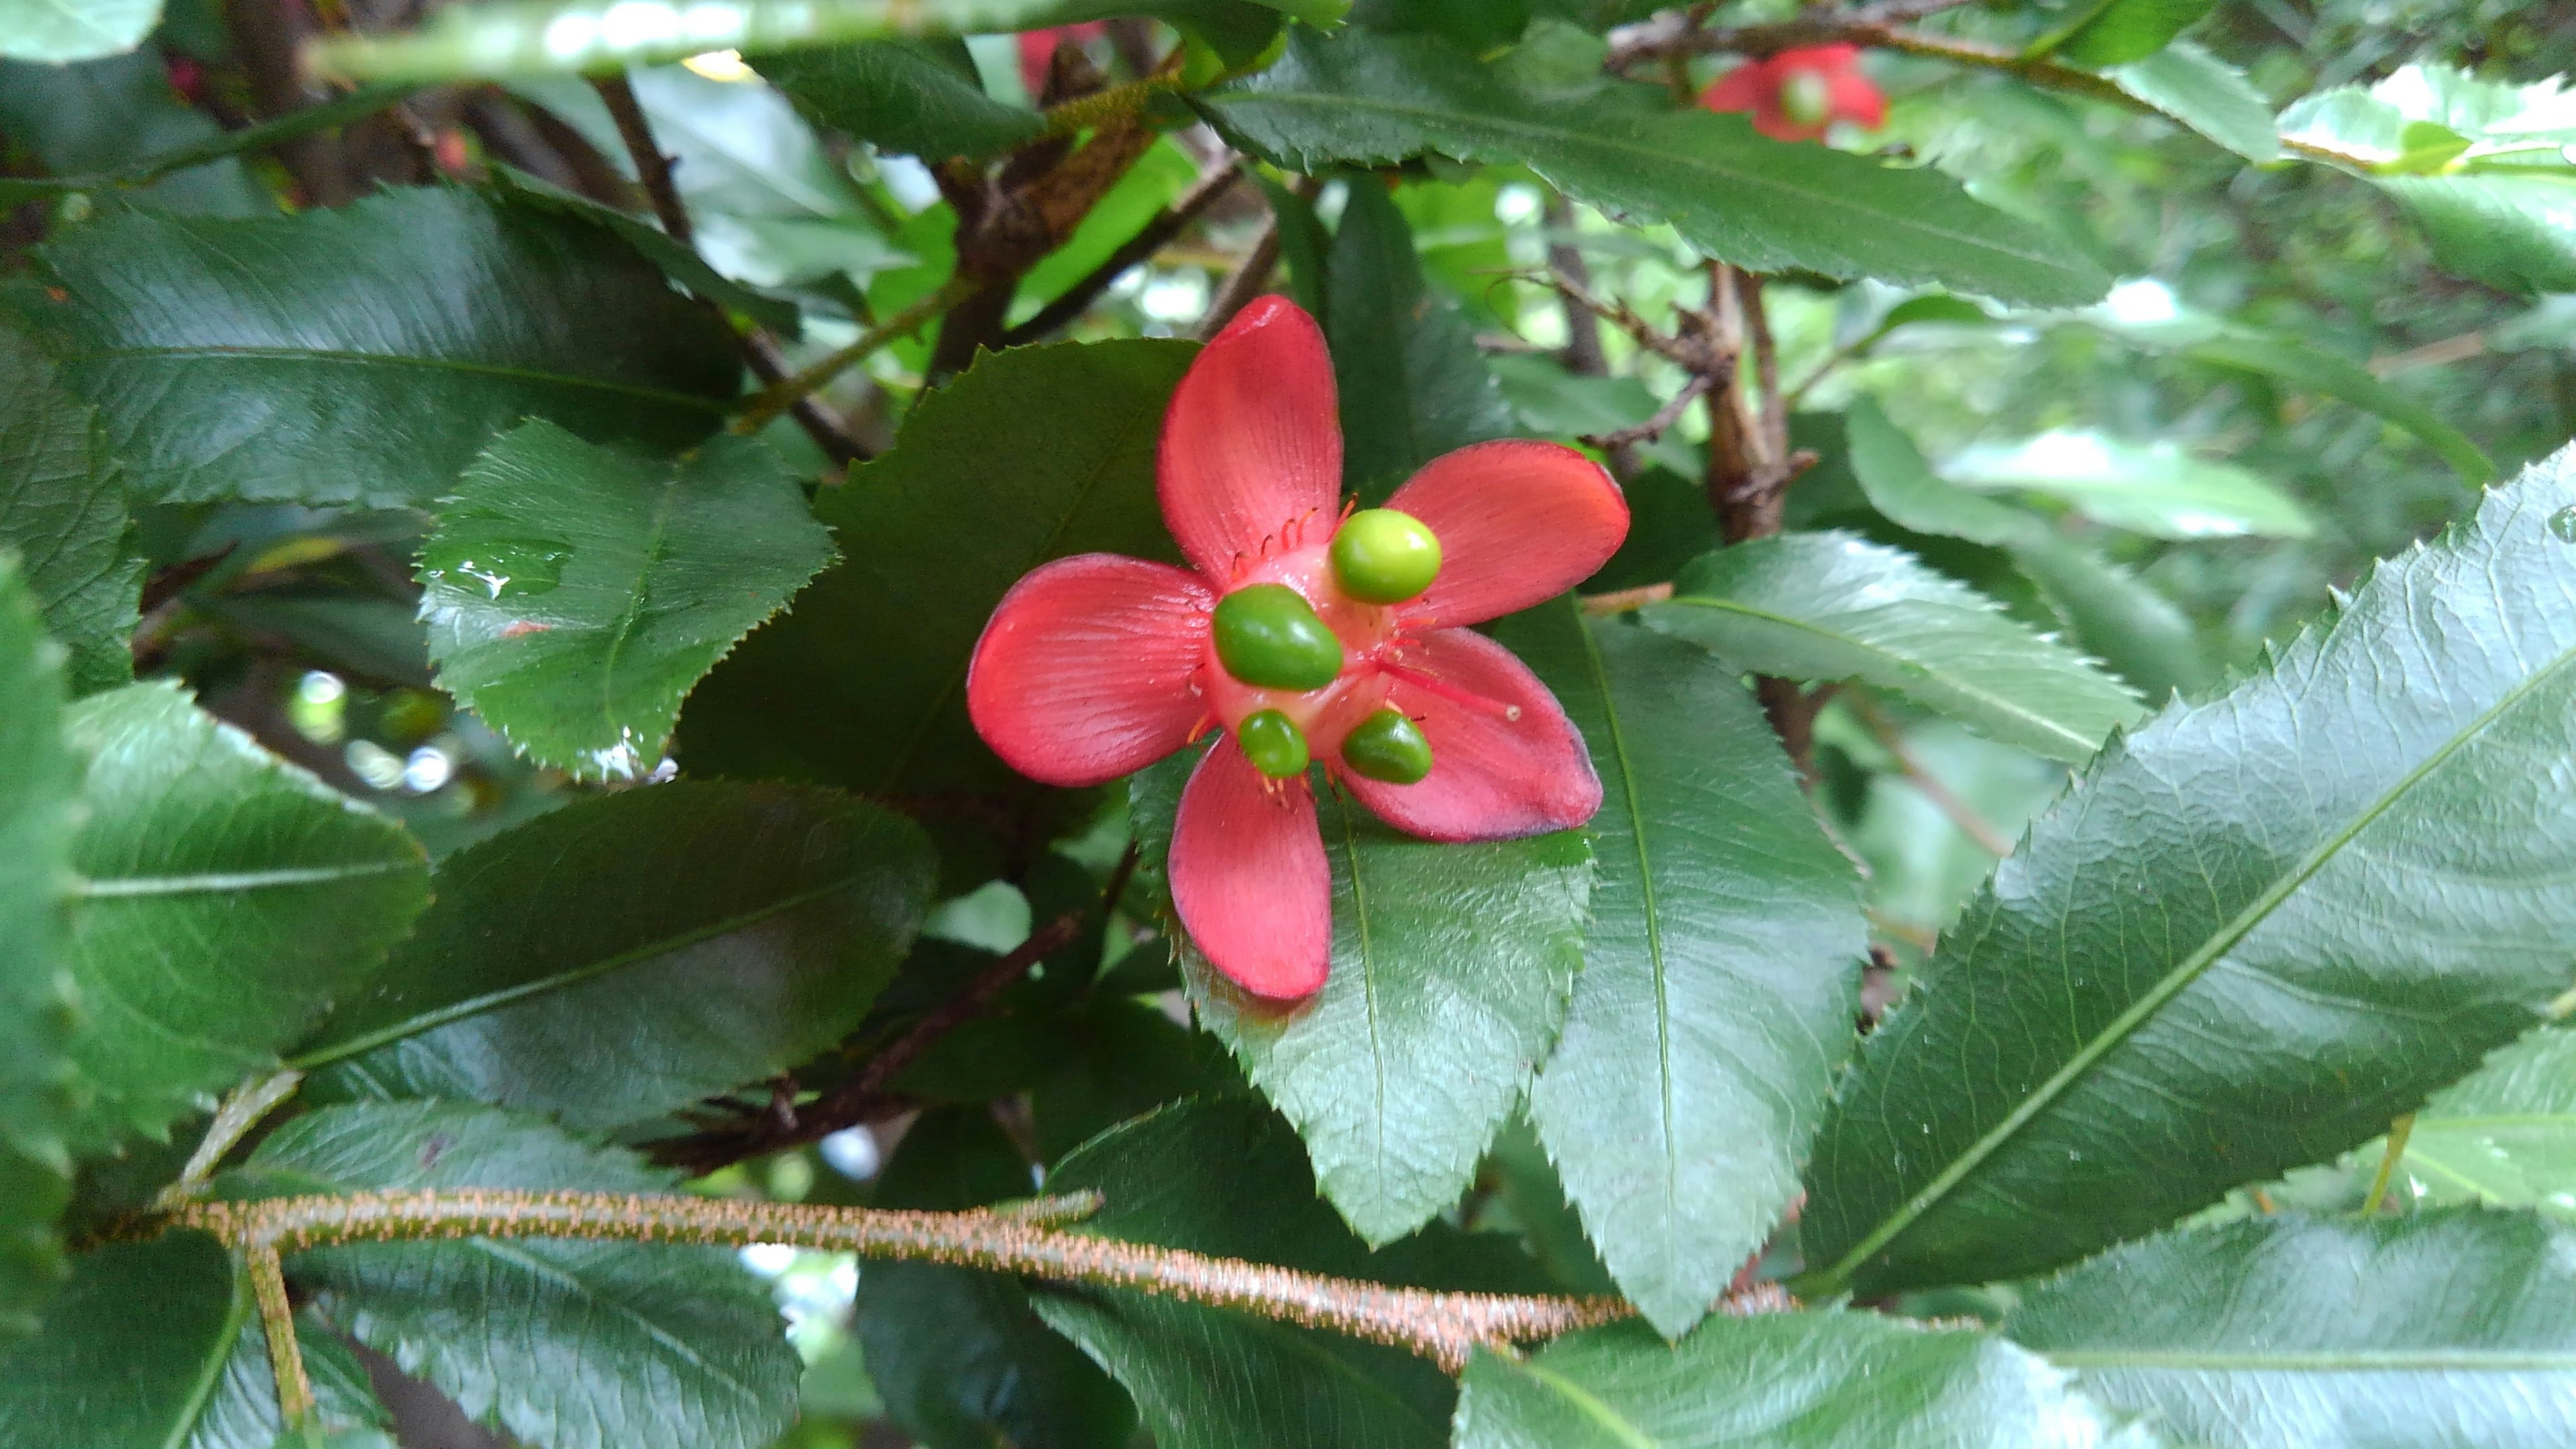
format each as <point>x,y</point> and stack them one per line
<point>277,1325</point>
<point>253,1100</point>
<point>788,392</point>
<point>1443,1327</point>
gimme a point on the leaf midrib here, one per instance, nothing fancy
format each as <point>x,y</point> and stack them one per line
<point>1717,604</point>
<point>219,352</point>
<point>183,1425</point>
<point>1610,1419</point>
<point>2173,983</point>
<point>230,881</point>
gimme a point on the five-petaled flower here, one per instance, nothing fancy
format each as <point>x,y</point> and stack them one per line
<point>1037,49</point>
<point>1304,630</point>
<point>1796,94</point>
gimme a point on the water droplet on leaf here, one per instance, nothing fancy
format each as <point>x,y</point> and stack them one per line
<point>2563,523</point>
<point>501,567</point>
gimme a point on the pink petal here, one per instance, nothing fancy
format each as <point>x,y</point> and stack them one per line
<point>1519,523</point>
<point>1748,87</point>
<point>1037,48</point>
<point>1855,98</point>
<point>1083,673</point>
<point>1249,879</point>
<point>1817,57</point>
<point>1253,440</point>
<point>1491,778</point>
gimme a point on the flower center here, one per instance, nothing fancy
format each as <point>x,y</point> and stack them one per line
<point>1806,98</point>
<point>1287,640</point>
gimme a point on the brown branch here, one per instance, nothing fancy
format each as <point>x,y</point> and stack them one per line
<point>1683,33</point>
<point>761,350</point>
<point>1959,812</point>
<point>1150,238</point>
<point>1653,427</point>
<point>265,36</point>
<point>1249,279</point>
<point>1583,355</point>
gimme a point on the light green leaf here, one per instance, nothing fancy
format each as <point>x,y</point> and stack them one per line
<point>387,342</point>
<point>57,31</point>
<point>1716,998</point>
<point>154,1345</point>
<point>2110,612</point>
<point>1226,1178</point>
<point>62,507</point>
<point>626,955</point>
<point>226,898</point>
<point>2505,1135</point>
<point>575,594</point>
<point>2293,1333</point>
<point>38,794</point>
<point>1412,384</point>
<point>2152,488</point>
<point>2116,32</point>
<point>1821,606</point>
<point>1765,205</point>
<point>1790,1380</point>
<point>915,98</point>
<point>2207,94</point>
<point>2251,935</point>
<point>864,684</point>
<point>1450,971</point>
<point>563,1345</point>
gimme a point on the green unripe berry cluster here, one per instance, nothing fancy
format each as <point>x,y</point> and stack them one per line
<point>1381,556</point>
<point>1267,635</point>
<point>1387,747</point>
<point>1806,97</point>
<point>1273,743</point>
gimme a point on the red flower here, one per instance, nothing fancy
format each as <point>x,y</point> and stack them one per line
<point>1099,665</point>
<point>1796,94</point>
<point>1037,48</point>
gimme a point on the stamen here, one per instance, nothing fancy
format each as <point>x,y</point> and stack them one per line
<point>1450,692</point>
<point>1199,731</point>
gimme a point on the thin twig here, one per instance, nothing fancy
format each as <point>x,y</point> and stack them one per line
<point>1959,812</point>
<point>761,350</point>
<point>1248,280</point>
<point>1150,238</point>
<point>2398,1131</point>
<point>787,392</point>
<point>1653,427</point>
<point>248,1103</point>
<point>1626,601</point>
<point>1444,1327</point>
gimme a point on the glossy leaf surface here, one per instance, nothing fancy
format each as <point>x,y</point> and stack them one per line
<point>2505,1135</point>
<point>2247,938</point>
<point>62,507</point>
<point>38,796</point>
<point>2208,95</point>
<point>57,31</point>
<point>908,97</point>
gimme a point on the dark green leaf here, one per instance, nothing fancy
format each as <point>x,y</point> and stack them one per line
<point>575,594</point>
<point>864,684</point>
<point>1228,1179</point>
<point>1555,403</point>
<point>1820,606</point>
<point>1413,386</point>
<point>565,1345</point>
<point>387,342</point>
<point>1716,998</point>
<point>1122,1058</point>
<point>961,1359</point>
<point>241,1412</point>
<point>2207,94</point>
<point>226,898</point>
<point>2505,1135</point>
<point>1451,967</point>
<point>1766,205</point>
<point>2251,935</point>
<point>88,123</point>
<point>628,954</point>
<point>2134,629</point>
<point>2293,1333</point>
<point>680,263</point>
<point>1783,1381</point>
<point>62,507</point>
<point>39,791</point>
<point>2116,32</point>
<point>917,98</point>
<point>1478,25</point>
<point>55,32</point>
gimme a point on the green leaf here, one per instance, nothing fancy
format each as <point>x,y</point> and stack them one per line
<point>628,954</point>
<point>681,264</point>
<point>864,684</point>
<point>1793,1380</point>
<point>2505,1135</point>
<point>2306,367</point>
<point>62,507</point>
<point>910,97</point>
<point>242,1411</point>
<point>2111,613</point>
<point>386,341</point>
<point>1765,205</point>
<point>226,897</point>
<point>563,1345</point>
<point>1820,606</point>
<point>575,594</point>
<point>2449,1328</point>
<point>1412,384</point>
<point>57,31</point>
<point>2478,162</point>
<point>2206,94</point>
<point>2116,32</point>
<point>1554,403</point>
<point>2252,934</point>
<point>1226,1178</point>
<point>1450,972</point>
<point>38,795</point>
<point>961,1359</point>
<point>1717,992</point>
<point>2155,489</point>
<point>94,126</point>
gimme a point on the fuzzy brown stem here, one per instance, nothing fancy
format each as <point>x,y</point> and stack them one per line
<point>1443,1327</point>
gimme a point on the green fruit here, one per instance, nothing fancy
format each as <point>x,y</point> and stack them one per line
<point>1273,743</point>
<point>1385,557</point>
<point>1806,98</point>
<point>1267,635</point>
<point>1386,746</point>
